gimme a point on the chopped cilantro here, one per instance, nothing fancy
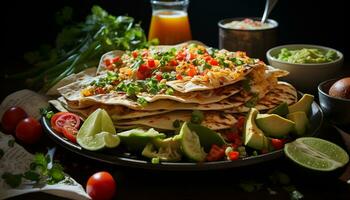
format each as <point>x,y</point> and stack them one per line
<point>169,91</point>
<point>142,101</point>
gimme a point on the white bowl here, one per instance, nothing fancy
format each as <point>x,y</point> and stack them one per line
<point>305,77</point>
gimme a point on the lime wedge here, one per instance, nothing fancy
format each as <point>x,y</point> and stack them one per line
<point>207,137</point>
<point>164,149</point>
<point>97,132</point>
<point>316,154</point>
<point>191,145</point>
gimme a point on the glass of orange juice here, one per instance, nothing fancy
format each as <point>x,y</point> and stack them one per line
<point>170,22</point>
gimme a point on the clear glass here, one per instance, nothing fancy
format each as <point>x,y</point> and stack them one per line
<point>170,23</point>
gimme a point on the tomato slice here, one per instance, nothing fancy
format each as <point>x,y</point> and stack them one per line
<point>70,133</point>
<point>53,121</point>
<point>65,119</point>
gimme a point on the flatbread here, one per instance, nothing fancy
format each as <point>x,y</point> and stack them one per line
<point>214,120</point>
<point>283,92</point>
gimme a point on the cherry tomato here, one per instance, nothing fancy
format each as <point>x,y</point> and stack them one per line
<point>29,130</point>
<point>233,155</point>
<point>59,120</point>
<point>11,118</point>
<point>215,153</point>
<point>101,186</point>
<point>70,133</point>
<point>277,143</point>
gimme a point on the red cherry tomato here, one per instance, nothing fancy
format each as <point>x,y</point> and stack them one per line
<point>277,143</point>
<point>101,186</point>
<point>70,133</point>
<point>11,118</point>
<point>29,130</point>
<point>59,120</point>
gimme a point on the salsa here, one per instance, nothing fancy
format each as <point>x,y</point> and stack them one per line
<point>305,55</point>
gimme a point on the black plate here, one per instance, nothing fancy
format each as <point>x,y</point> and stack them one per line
<point>118,157</point>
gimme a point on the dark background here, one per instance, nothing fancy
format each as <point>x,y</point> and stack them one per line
<point>28,24</point>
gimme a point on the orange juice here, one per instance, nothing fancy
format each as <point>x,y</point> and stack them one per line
<point>170,27</point>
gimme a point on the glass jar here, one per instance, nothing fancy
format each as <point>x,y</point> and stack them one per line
<point>170,23</point>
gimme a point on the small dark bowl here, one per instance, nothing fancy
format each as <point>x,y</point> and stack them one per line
<point>337,110</point>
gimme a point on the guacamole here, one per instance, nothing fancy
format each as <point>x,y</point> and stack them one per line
<point>304,56</point>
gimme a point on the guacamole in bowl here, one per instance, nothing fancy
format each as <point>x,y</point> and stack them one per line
<point>307,55</point>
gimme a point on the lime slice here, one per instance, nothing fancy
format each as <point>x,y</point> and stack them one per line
<point>316,154</point>
<point>97,132</point>
<point>191,145</point>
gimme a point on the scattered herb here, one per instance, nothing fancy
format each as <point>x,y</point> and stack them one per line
<point>142,101</point>
<point>155,160</point>
<point>47,112</point>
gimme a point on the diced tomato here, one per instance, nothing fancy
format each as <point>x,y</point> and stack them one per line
<point>208,58</point>
<point>108,62</point>
<point>192,71</point>
<point>110,67</point>
<point>213,62</point>
<point>233,155</point>
<point>215,153</point>
<point>99,90</point>
<point>192,56</point>
<point>70,133</point>
<point>143,72</point>
<point>173,63</point>
<point>180,56</point>
<point>116,59</point>
<point>159,77</point>
<point>134,54</point>
<point>277,143</point>
<point>179,77</point>
<point>151,63</point>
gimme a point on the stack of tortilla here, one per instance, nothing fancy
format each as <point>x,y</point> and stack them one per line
<point>221,105</point>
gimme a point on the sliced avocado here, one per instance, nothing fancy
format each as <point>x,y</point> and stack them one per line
<point>301,122</point>
<point>281,110</point>
<point>304,104</point>
<point>165,149</point>
<point>207,137</point>
<point>136,139</point>
<point>252,136</point>
<point>274,125</point>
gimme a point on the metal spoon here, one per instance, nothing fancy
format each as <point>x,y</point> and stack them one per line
<point>270,4</point>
